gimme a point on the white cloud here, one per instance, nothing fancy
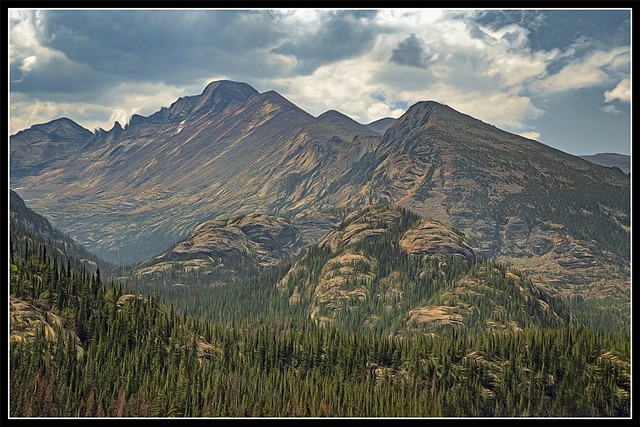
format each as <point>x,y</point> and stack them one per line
<point>119,105</point>
<point>492,70</point>
<point>516,68</point>
<point>610,109</point>
<point>621,92</point>
<point>25,45</point>
<point>531,135</point>
<point>28,64</point>
<point>592,71</point>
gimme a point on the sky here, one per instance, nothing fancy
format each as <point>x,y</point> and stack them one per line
<point>561,77</point>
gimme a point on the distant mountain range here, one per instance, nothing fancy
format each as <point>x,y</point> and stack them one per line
<point>620,161</point>
<point>129,193</point>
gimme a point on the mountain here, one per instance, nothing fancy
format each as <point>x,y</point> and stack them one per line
<point>28,228</point>
<point>226,251</point>
<point>41,146</point>
<point>385,266</point>
<point>381,125</point>
<point>131,192</point>
<point>553,215</point>
<point>106,352</point>
<point>612,160</point>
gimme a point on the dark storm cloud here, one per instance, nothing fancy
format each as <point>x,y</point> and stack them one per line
<point>175,47</point>
<point>409,52</point>
<point>60,78</point>
<point>107,47</point>
<point>341,35</point>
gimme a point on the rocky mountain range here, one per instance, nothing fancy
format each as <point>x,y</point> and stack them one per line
<point>128,193</point>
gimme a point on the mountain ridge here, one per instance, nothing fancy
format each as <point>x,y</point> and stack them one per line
<point>620,161</point>
<point>508,194</point>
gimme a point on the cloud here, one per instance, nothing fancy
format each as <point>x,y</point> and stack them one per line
<point>531,135</point>
<point>26,44</point>
<point>621,92</point>
<point>504,67</point>
<point>107,47</point>
<point>594,70</point>
<point>326,36</point>
<point>409,52</point>
<point>610,109</point>
<point>28,64</point>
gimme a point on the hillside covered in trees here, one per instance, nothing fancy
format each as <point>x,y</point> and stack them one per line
<point>83,345</point>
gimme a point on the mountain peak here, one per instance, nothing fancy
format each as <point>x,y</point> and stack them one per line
<point>333,116</point>
<point>428,113</point>
<point>60,126</point>
<point>216,96</point>
<point>219,94</point>
<point>240,90</point>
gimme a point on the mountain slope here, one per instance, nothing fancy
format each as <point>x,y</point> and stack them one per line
<point>518,201</point>
<point>134,190</point>
<point>384,268</point>
<point>230,151</point>
<point>381,125</point>
<point>226,251</point>
<point>28,228</point>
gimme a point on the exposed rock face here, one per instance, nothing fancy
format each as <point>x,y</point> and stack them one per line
<point>28,321</point>
<point>361,225</point>
<point>128,299</point>
<point>219,247</point>
<point>342,283</point>
<point>436,316</point>
<point>432,237</point>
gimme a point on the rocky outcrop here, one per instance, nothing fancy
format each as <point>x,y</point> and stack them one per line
<point>254,242</point>
<point>420,271</point>
<point>361,225</point>
<point>431,237</point>
<point>342,284</point>
<point>29,323</point>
